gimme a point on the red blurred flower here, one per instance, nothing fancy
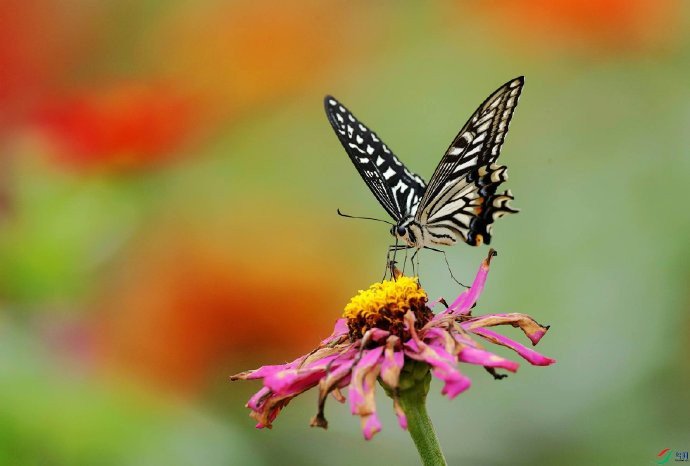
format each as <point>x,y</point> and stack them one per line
<point>128,125</point>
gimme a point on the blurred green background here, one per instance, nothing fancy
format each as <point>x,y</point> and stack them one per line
<point>168,188</point>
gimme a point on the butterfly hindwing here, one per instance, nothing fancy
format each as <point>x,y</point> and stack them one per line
<point>397,189</point>
<point>461,200</point>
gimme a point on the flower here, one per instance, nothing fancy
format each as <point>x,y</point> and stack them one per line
<point>389,333</point>
<point>127,125</point>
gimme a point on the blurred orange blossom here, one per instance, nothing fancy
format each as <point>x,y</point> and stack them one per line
<point>599,26</point>
<point>246,53</point>
<point>178,309</point>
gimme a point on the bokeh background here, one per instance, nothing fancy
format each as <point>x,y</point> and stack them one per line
<point>168,195</point>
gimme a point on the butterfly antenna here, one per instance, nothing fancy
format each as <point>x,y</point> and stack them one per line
<point>365,218</point>
<point>448,264</point>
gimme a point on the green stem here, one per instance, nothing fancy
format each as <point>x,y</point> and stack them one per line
<point>413,403</point>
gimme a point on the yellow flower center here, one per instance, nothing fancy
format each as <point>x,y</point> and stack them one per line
<point>385,304</point>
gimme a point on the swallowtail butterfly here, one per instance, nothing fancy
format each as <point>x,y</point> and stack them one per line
<point>461,201</point>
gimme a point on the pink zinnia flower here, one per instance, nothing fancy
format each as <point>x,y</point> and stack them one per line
<point>389,333</point>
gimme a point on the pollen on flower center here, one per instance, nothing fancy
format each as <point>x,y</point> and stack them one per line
<point>384,305</point>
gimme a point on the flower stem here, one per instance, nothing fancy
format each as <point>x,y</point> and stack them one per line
<point>413,403</point>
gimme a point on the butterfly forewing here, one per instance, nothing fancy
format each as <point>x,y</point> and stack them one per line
<point>461,200</point>
<point>397,189</point>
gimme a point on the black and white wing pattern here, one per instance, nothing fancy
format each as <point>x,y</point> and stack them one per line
<point>461,201</point>
<point>397,189</point>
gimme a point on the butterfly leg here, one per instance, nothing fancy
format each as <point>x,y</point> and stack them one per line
<point>390,263</point>
<point>415,270</point>
<point>393,262</point>
<point>405,261</point>
<point>389,266</point>
<point>418,270</point>
<point>447,264</point>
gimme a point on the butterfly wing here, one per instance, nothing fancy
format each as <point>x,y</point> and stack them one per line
<point>397,189</point>
<point>461,201</point>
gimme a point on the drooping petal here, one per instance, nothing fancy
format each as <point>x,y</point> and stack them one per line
<point>258,399</point>
<point>409,320</point>
<point>370,425</point>
<point>338,395</point>
<point>361,394</point>
<point>443,366</point>
<point>485,358</point>
<point>435,302</point>
<point>339,330</point>
<point>331,383</point>
<point>529,354</point>
<point>362,387</point>
<point>298,379</point>
<point>269,410</point>
<point>532,329</point>
<point>393,360</point>
<point>302,362</point>
<point>338,372</point>
<point>400,413</point>
<point>443,338</point>
<point>376,334</point>
<point>261,372</point>
<point>265,406</point>
<point>468,298</point>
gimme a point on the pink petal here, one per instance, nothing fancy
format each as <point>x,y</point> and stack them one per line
<point>362,387</point>
<point>402,418</point>
<point>338,395</point>
<point>266,406</point>
<point>529,354</point>
<point>412,346</point>
<point>258,399</point>
<point>339,329</point>
<point>307,374</point>
<point>303,362</point>
<point>393,360</point>
<point>294,381</point>
<point>529,326</point>
<point>299,379</point>
<point>409,320</point>
<point>443,338</point>
<point>361,392</point>
<point>433,304</point>
<point>377,334</point>
<point>467,298</point>
<point>262,371</point>
<point>336,374</point>
<point>370,426</point>
<point>339,376</point>
<point>485,358</point>
<point>442,366</point>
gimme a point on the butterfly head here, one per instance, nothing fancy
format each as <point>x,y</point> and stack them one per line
<point>407,231</point>
<point>399,231</point>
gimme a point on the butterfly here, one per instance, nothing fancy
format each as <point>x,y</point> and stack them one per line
<point>461,200</point>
